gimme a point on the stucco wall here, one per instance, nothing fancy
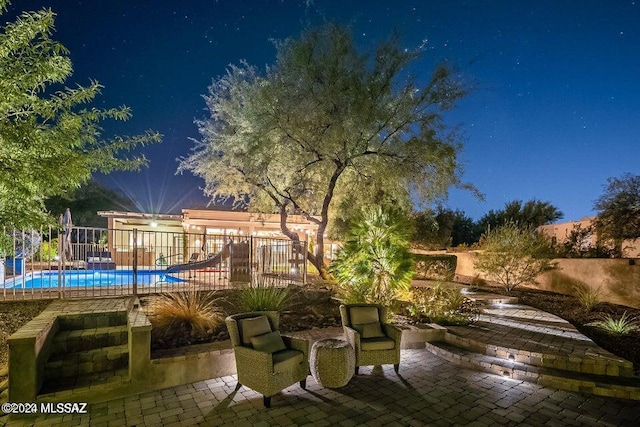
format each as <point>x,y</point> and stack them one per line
<point>561,230</point>
<point>618,279</point>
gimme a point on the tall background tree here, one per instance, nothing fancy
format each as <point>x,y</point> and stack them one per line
<point>431,229</point>
<point>50,137</point>
<point>327,130</point>
<point>531,214</point>
<point>618,211</point>
<point>85,201</point>
<point>442,228</point>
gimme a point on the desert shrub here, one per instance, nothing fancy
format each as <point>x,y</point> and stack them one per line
<point>435,267</point>
<point>588,297</point>
<point>191,312</point>
<point>442,306</point>
<point>263,298</point>
<point>48,251</point>
<point>514,256</point>
<point>374,264</point>
<point>621,326</point>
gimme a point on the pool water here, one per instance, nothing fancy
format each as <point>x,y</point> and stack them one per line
<point>93,278</point>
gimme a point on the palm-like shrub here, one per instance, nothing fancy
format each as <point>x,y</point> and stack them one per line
<point>264,298</point>
<point>189,312</point>
<point>621,326</point>
<point>374,263</point>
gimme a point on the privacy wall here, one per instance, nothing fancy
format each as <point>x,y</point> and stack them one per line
<point>619,279</point>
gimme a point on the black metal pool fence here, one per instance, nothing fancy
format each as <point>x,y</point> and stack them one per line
<point>84,262</point>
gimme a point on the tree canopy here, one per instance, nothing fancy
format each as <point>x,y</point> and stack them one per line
<point>50,137</point>
<point>442,227</point>
<point>85,201</point>
<point>327,130</point>
<point>531,214</point>
<point>618,210</point>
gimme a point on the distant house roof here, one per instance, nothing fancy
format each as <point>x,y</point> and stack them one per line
<point>139,215</point>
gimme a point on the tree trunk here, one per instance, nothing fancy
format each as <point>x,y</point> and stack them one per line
<point>317,261</point>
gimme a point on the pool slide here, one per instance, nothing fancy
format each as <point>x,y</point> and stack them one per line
<point>212,260</point>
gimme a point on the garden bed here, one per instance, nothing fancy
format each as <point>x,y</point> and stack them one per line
<point>312,309</point>
<point>569,308</point>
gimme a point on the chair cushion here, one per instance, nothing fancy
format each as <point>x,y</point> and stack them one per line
<point>252,327</point>
<point>378,343</point>
<point>369,330</point>
<point>372,330</point>
<point>269,342</point>
<point>361,315</point>
<point>286,360</point>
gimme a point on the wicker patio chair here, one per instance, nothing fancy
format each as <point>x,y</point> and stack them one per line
<point>265,363</point>
<point>374,342</point>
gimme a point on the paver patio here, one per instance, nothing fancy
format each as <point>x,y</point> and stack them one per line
<point>428,391</point>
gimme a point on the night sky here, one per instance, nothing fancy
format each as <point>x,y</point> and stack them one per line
<point>554,113</point>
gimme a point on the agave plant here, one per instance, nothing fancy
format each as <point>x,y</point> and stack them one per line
<point>621,326</point>
<point>264,298</point>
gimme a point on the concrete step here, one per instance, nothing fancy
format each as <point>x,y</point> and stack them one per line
<point>484,298</point>
<point>599,385</point>
<point>66,365</point>
<point>69,322</point>
<point>525,347</point>
<point>94,381</point>
<point>69,341</point>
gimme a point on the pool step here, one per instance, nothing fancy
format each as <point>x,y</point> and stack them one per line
<point>69,341</point>
<point>599,385</point>
<point>65,365</point>
<point>89,349</point>
<point>70,322</point>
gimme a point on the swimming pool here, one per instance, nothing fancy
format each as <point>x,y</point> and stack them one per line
<point>90,278</point>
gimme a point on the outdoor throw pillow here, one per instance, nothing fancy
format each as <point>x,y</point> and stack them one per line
<point>253,327</point>
<point>361,315</point>
<point>372,330</point>
<point>268,343</point>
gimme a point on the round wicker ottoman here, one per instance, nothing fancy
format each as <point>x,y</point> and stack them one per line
<point>332,362</point>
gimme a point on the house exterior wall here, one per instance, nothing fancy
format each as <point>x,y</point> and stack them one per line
<point>197,222</point>
<point>559,233</point>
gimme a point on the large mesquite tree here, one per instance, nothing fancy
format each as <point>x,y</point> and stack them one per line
<point>327,130</point>
<point>50,137</point>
